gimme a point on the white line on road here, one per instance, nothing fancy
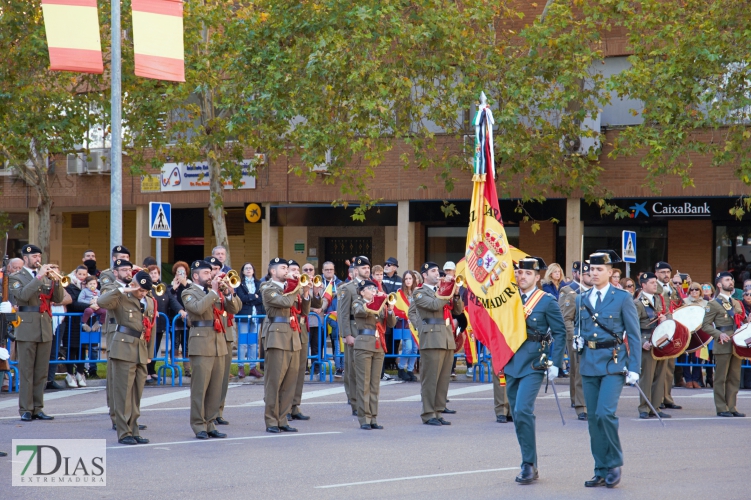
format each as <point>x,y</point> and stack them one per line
<point>416,477</point>
<point>455,392</point>
<point>194,441</point>
<point>320,393</point>
<point>49,397</point>
<point>716,419</point>
<point>155,400</point>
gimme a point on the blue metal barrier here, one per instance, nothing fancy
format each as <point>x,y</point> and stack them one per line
<point>74,340</point>
<point>318,360</point>
<point>161,373</point>
<point>248,335</point>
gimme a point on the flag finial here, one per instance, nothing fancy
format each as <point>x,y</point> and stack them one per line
<point>483,99</point>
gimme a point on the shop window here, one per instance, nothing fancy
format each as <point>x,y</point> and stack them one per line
<point>733,250</point>
<point>651,243</point>
<point>79,221</point>
<point>450,243</point>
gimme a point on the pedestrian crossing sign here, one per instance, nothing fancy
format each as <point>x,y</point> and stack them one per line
<point>160,220</point>
<point>628,250</point>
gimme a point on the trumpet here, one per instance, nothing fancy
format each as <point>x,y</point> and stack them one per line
<point>159,289</point>
<point>391,299</point>
<point>304,280</point>
<point>231,278</point>
<point>317,280</point>
<point>459,281</point>
<point>54,275</point>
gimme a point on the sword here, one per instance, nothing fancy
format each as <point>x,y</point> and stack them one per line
<point>625,374</point>
<point>555,393</point>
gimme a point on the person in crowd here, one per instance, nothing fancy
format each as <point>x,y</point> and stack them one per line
<point>615,279</point>
<point>708,293</point>
<point>77,372</point>
<point>163,307</point>
<point>628,285</point>
<point>249,292</point>
<point>89,295</point>
<point>553,280</point>
<point>314,320</point>
<point>376,275</point>
<point>89,261</point>
<point>149,261</point>
<point>409,345</point>
<point>391,280</point>
<point>692,375</point>
<point>220,253</point>
<point>179,284</point>
<point>329,277</point>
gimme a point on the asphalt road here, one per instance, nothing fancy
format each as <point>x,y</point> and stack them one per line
<point>697,455</point>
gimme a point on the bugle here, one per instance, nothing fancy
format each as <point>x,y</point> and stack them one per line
<point>392,299</point>
<point>304,280</point>
<point>54,275</point>
<point>159,289</point>
<point>233,278</point>
<point>317,281</point>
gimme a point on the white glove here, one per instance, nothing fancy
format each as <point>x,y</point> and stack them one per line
<point>552,372</point>
<point>632,378</point>
<point>578,343</point>
<point>4,354</point>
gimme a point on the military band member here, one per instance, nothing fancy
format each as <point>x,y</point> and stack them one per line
<point>347,329</point>
<point>369,352</point>
<point>132,346</point>
<point>650,307</point>
<point>527,367</point>
<point>567,303</point>
<point>302,309</point>
<point>719,322</point>
<point>33,292</point>
<point>671,295</point>
<point>608,337</point>
<point>282,348</point>
<point>433,321</point>
<point>207,346</point>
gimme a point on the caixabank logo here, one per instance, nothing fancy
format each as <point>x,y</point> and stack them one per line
<point>59,462</point>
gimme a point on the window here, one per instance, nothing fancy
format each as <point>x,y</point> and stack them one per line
<point>450,243</point>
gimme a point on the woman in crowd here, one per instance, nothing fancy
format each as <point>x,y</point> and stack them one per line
<point>163,305</point>
<point>615,279</point>
<point>250,295</point>
<point>692,374</point>
<point>181,271</point>
<point>553,280</point>
<point>629,285</point>
<point>409,346</point>
<point>76,372</point>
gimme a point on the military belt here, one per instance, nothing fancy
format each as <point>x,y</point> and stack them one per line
<point>366,332</point>
<point>607,344</point>
<point>28,309</point>
<point>351,317</point>
<point>128,331</point>
<point>726,328</point>
<point>278,319</point>
<point>537,337</point>
<point>434,321</point>
<point>209,322</point>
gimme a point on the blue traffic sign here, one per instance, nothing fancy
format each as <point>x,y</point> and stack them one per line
<point>628,248</point>
<point>160,220</point>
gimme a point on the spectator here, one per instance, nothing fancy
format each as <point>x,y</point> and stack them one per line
<point>181,271</point>
<point>163,306</point>
<point>391,280</point>
<point>330,278</point>
<point>70,341</point>
<point>629,285</point>
<point>449,269</point>
<point>149,261</point>
<point>692,374</point>
<point>708,293</point>
<point>409,346</point>
<point>554,280</point>
<point>88,296</point>
<point>249,292</point>
<point>221,255</point>
<point>89,261</point>
<point>376,274</point>
<point>77,278</point>
<point>615,279</point>
<point>314,319</point>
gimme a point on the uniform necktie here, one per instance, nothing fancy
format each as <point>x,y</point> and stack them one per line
<point>599,299</point>
<point>524,298</point>
<point>653,302</point>
<point>143,308</point>
<point>34,273</point>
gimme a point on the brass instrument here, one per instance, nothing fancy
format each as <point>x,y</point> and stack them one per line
<point>54,275</point>
<point>304,280</point>
<point>159,289</point>
<point>233,278</point>
<point>392,299</point>
<point>317,280</point>
<point>459,281</point>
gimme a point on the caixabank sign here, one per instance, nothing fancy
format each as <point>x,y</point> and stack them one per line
<point>59,462</point>
<point>644,210</point>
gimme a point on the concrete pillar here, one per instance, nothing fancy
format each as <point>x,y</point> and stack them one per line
<point>33,226</point>
<point>574,233</point>
<point>405,237</point>
<point>269,241</point>
<point>143,242</point>
<point>56,239</point>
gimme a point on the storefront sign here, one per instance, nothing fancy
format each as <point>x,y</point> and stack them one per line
<point>195,177</point>
<point>150,183</point>
<point>647,209</point>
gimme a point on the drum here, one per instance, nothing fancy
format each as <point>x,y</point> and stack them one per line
<point>742,342</point>
<point>690,316</point>
<point>669,340</point>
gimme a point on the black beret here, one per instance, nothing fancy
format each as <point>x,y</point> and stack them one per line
<point>585,267</point>
<point>292,262</point>
<point>391,262</point>
<point>30,250</point>
<point>662,265</point>
<point>276,261</point>
<point>200,264</point>
<point>364,284</point>
<point>213,261</point>
<point>428,266</point>
<point>120,249</point>
<point>441,274</point>
<point>604,257</point>
<point>121,263</point>
<point>532,264</point>
<point>361,261</point>
<point>577,265</point>
<point>644,277</point>
<point>143,280</point>
<point>723,274</point>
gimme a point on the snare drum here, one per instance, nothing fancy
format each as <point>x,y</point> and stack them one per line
<point>742,342</point>
<point>669,340</point>
<point>692,317</point>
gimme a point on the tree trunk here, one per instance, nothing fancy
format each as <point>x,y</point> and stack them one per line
<point>43,212</point>
<point>216,205</point>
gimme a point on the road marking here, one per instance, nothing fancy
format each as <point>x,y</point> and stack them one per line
<point>409,478</point>
<point>717,419</point>
<point>455,392</point>
<point>320,393</point>
<point>194,441</point>
<point>49,397</point>
<point>155,400</point>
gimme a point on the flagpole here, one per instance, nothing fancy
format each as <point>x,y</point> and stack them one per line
<point>116,170</point>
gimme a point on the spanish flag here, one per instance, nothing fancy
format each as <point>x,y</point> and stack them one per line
<point>400,311</point>
<point>72,29</point>
<point>494,305</point>
<point>158,39</point>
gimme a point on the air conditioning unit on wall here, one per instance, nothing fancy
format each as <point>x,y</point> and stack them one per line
<point>583,145</point>
<point>97,161</point>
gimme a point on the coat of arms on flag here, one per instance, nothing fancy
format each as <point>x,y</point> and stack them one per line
<point>484,258</point>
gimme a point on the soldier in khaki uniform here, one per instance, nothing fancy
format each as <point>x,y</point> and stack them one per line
<point>231,304</point>
<point>500,399</point>
<point>436,344</point>
<point>567,303</point>
<point>207,346</point>
<point>130,352</point>
<point>649,307</point>
<point>369,352</point>
<point>670,294</point>
<point>303,305</point>
<point>347,329</point>
<point>719,322</point>
<point>282,347</point>
<point>33,293</point>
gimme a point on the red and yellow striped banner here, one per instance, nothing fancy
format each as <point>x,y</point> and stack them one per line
<point>158,39</point>
<point>72,29</point>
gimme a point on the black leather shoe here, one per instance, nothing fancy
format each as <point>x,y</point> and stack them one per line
<point>221,421</point>
<point>287,428</point>
<point>527,475</point>
<point>443,422</point>
<point>509,418</point>
<point>644,415</point>
<point>127,440</point>
<point>3,454</point>
<point>433,421</point>
<point>582,416</point>
<point>114,427</point>
<point>54,386</point>
<point>448,411</point>
<point>724,414</point>
<point>141,440</point>
<point>273,429</point>
<point>594,482</point>
<point>26,416</point>
<point>737,414</point>
<point>300,416</point>
<point>202,435</point>
<point>42,416</point>
<point>662,406</point>
<point>376,427</point>
<point>142,427</point>
<point>354,413</point>
<point>365,427</point>
<point>662,414</point>
<point>613,477</point>
<point>573,405</point>
<point>501,419</point>
<point>216,434</point>
<point>672,406</point>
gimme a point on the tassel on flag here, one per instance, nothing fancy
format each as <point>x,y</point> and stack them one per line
<point>72,29</point>
<point>158,39</point>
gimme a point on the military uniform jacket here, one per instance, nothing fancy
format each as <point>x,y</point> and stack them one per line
<point>567,304</point>
<point>345,295</point>
<point>617,312</point>
<point>436,335</point>
<point>545,316</point>
<point>365,320</point>
<point>719,313</point>
<point>279,335</point>
<point>107,282</point>
<point>647,314</point>
<point>302,318</point>
<point>232,305</point>
<point>24,290</point>
<point>669,293</point>
<point>199,304</point>
<point>126,309</point>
